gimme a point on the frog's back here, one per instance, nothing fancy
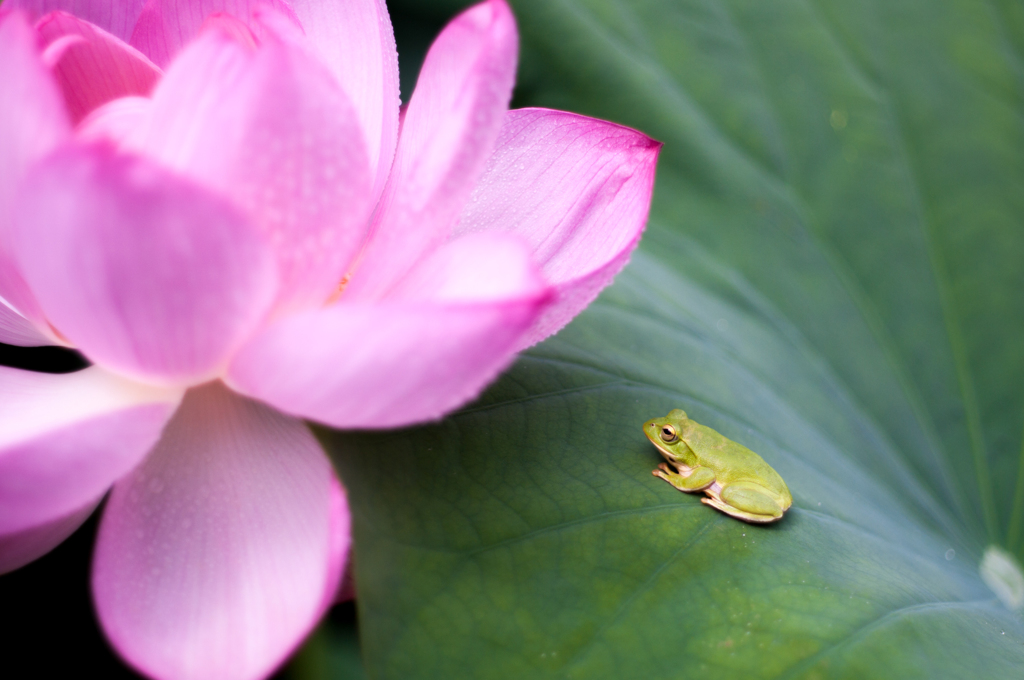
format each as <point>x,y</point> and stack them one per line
<point>731,461</point>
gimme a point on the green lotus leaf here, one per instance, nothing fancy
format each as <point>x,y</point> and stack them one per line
<point>833,276</point>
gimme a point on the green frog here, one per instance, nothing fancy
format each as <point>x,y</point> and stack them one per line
<point>736,480</point>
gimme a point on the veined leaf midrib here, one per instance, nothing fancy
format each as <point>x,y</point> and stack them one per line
<point>888,617</point>
<point>1015,524</point>
<point>1013,530</point>
<point>644,587</point>
<point>637,592</point>
<point>1000,21</point>
<point>533,397</point>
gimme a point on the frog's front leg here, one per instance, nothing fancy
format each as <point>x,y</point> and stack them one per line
<point>750,502</point>
<point>698,479</point>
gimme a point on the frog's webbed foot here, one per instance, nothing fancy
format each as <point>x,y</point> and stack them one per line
<point>666,473</point>
<point>695,479</point>
<point>666,470</point>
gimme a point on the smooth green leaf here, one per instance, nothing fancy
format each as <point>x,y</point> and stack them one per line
<point>833,276</point>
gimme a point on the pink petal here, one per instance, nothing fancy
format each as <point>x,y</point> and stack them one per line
<point>22,547</point>
<point>578,190</point>
<point>13,288</point>
<point>481,267</point>
<point>64,439</point>
<point>166,26</point>
<point>271,129</point>
<point>355,40</point>
<point>96,68</point>
<point>400,361</point>
<point>212,559</point>
<point>116,17</point>
<point>339,563</point>
<point>149,275</point>
<point>115,121</point>
<point>447,134</point>
<point>28,131</point>
<point>17,330</point>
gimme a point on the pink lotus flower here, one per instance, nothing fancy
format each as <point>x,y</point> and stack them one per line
<point>211,200</point>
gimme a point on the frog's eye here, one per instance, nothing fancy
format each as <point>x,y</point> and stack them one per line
<point>668,434</point>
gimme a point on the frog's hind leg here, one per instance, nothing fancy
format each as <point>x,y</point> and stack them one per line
<point>748,501</point>
<point>739,514</point>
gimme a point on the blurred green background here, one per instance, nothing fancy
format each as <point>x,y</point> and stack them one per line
<point>831,275</point>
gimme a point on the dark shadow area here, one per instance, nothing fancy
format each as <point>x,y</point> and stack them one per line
<point>415,26</point>
<point>42,359</point>
<point>50,629</point>
<point>332,650</point>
